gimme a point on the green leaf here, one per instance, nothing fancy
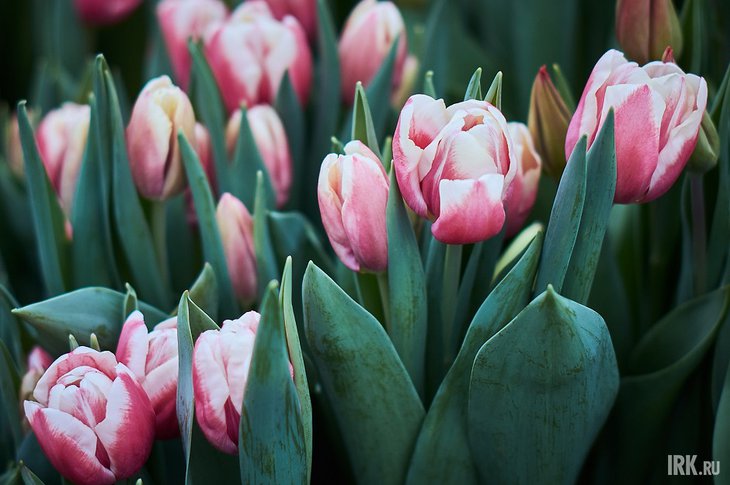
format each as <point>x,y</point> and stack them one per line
<point>132,230</point>
<point>362,121</point>
<point>721,438</point>
<point>379,90</point>
<point>474,88</point>
<point>29,478</point>
<point>10,327</point>
<point>428,87</point>
<point>205,291</point>
<point>435,366</point>
<point>9,387</point>
<point>544,384</point>
<point>267,267</point>
<point>717,251</point>
<point>442,453</point>
<point>209,232</point>
<point>48,219</point>
<point>370,392</point>
<point>292,116</point>
<point>209,106</point>
<point>81,313</point>
<point>271,445</point>
<point>130,302</point>
<point>565,220</point>
<point>561,84</point>
<point>246,163</point>
<point>494,93</point>
<point>599,192</point>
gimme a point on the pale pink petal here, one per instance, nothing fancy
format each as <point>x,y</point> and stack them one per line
<point>133,344</point>
<point>82,356</point>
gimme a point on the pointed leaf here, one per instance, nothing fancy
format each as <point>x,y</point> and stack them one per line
<point>267,267</point>
<point>362,121</point>
<point>204,291</point>
<point>246,163</point>
<point>494,93</point>
<point>292,116</point>
<point>474,88</point>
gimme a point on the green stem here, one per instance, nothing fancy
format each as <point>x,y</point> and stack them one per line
<point>699,233</point>
<point>384,298</point>
<point>159,235</point>
<point>449,296</point>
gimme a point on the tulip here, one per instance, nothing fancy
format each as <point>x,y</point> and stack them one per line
<point>181,20</point>
<point>271,142</point>
<point>411,68</point>
<point>236,227</point>
<point>548,123</point>
<point>644,28</point>
<point>38,361</point>
<point>523,191</point>
<point>161,110</point>
<point>61,138</point>
<point>92,419</point>
<point>366,40</point>
<point>658,110</point>
<point>455,166</point>
<point>250,53</point>
<point>152,358</point>
<point>353,193</point>
<point>221,359</point>
<point>305,11</point>
<point>105,12</point>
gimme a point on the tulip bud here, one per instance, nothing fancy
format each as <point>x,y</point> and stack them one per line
<point>523,191</point>
<point>305,11</point>
<point>251,51</point>
<point>455,166</point>
<point>366,40</point>
<point>658,111</point>
<point>353,194</point>
<point>105,12</point>
<point>92,419</point>
<point>161,110</point>
<point>644,28</point>
<point>152,358</point>
<point>181,20</point>
<point>236,227</point>
<point>271,142</point>
<point>411,68</point>
<point>548,121</point>
<point>707,151</point>
<point>61,138</point>
<point>221,359</point>
<point>38,361</point>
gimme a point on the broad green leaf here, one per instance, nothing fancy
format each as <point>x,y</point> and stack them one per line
<point>721,437</point>
<point>9,387</point>
<point>271,443</point>
<point>686,284</point>
<point>48,220</point>
<point>434,266</point>
<point>292,116</point>
<point>246,163</point>
<point>204,291</point>
<point>364,381</point>
<point>442,452</point>
<point>10,327</point>
<point>474,88</point>
<point>267,267</point>
<point>599,191</point>
<point>81,313</point>
<point>717,253</point>
<point>362,121</point>
<point>544,385</point>
<point>565,220</point>
<point>209,231</point>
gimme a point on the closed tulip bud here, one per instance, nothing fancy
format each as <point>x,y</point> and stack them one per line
<point>658,110</point>
<point>366,40</point>
<point>236,227</point>
<point>61,138</point>
<point>161,110</point>
<point>181,20</point>
<point>548,121</point>
<point>92,419</point>
<point>221,359</point>
<point>455,166</point>
<point>271,142</point>
<point>251,51</point>
<point>523,191</point>
<point>38,361</point>
<point>105,12</point>
<point>644,28</point>
<point>152,358</point>
<point>305,11</point>
<point>353,194</point>
<point>707,151</point>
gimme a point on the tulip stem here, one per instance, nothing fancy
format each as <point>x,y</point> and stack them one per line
<point>449,294</point>
<point>159,229</point>
<point>699,230</point>
<point>384,294</point>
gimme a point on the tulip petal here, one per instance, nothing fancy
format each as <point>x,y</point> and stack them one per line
<point>133,345</point>
<point>104,362</point>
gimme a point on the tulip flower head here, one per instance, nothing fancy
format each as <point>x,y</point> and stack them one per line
<point>367,37</point>
<point>270,138</point>
<point>353,194</point>
<point>644,28</point>
<point>236,227</point>
<point>455,166</point>
<point>523,191</point>
<point>658,110</point>
<point>92,418</point>
<point>251,51</point>
<point>305,11</point>
<point>105,12</point>
<point>161,110</point>
<point>152,358</point>
<point>38,361</point>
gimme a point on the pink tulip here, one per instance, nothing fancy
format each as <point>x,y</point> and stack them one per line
<point>92,419</point>
<point>105,12</point>
<point>61,138</point>
<point>221,359</point>
<point>236,228</point>
<point>161,110</point>
<point>523,191</point>
<point>658,110</point>
<point>270,138</point>
<point>366,39</point>
<point>250,53</point>
<point>305,11</point>
<point>353,193</point>
<point>644,28</point>
<point>181,20</point>
<point>38,361</point>
<point>152,358</point>
<point>455,166</point>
